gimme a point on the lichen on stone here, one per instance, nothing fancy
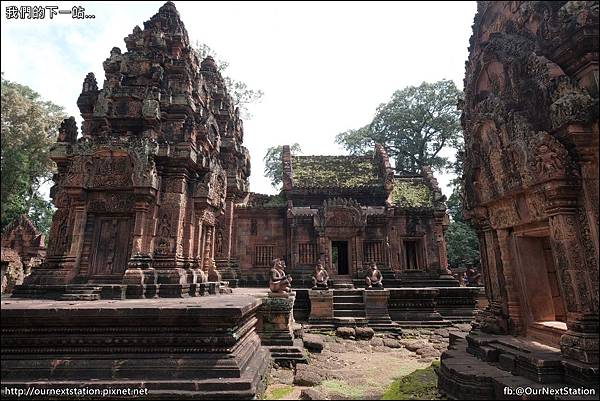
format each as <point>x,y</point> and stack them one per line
<point>410,193</point>
<point>335,171</point>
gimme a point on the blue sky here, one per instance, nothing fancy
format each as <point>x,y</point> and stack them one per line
<point>324,67</point>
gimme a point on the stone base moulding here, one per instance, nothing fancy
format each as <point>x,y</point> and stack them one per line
<point>201,348</point>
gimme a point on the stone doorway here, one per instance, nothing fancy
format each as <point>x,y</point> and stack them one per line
<point>339,257</point>
<point>545,307</point>
<point>111,246</point>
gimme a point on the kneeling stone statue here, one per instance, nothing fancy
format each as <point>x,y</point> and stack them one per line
<point>374,277</point>
<point>279,281</point>
<point>320,278</point>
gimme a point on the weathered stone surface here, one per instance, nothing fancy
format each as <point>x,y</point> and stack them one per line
<point>12,270</point>
<point>207,348</point>
<point>530,122</point>
<point>377,342</point>
<point>442,332</point>
<point>144,187</point>
<point>345,332</point>
<point>392,343</point>
<point>306,377</point>
<point>413,345</point>
<point>428,352</point>
<point>364,333</point>
<point>313,342</point>
<point>328,205</point>
<point>20,237</point>
<point>312,394</point>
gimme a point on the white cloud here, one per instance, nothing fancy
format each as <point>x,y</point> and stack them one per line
<point>324,66</point>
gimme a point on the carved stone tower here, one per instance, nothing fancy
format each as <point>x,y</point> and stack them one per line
<point>139,192</point>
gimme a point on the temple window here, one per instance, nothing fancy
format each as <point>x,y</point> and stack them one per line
<point>263,255</point>
<point>307,253</point>
<point>373,251</point>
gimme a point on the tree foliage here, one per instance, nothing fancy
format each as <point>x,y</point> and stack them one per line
<point>413,127</point>
<point>240,92</point>
<point>461,239</point>
<point>462,244</point>
<point>273,164</point>
<point>29,127</point>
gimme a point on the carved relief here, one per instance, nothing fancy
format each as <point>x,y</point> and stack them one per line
<point>163,242</point>
<point>59,233</point>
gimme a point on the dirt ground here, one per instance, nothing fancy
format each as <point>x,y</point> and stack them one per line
<point>358,369</point>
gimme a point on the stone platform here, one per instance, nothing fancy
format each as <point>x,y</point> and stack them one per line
<point>487,367</point>
<point>203,347</point>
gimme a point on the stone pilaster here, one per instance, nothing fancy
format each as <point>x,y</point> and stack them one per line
<point>321,306</point>
<point>510,281</point>
<point>376,306</point>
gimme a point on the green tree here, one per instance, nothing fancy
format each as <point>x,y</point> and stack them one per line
<point>273,164</point>
<point>240,92</point>
<point>413,127</point>
<point>29,128</point>
<point>462,245</point>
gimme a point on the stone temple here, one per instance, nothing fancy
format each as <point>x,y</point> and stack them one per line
<point>139,193</point>
<point>530,119</point>
<point>346,211</point>
<point>156,225</point>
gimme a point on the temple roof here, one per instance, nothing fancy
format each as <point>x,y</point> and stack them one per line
<point>335,171</point>
<point>411,192</point>
<point>263,200</point>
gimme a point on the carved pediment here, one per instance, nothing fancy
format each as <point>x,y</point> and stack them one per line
<point>341,212</point>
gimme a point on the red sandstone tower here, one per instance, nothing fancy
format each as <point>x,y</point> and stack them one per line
<point>138,194</point>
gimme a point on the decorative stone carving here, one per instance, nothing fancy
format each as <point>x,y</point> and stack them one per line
<point>151,170</point>
<point>279,281</point>
<point>320,278</point>
<point>531,79</point>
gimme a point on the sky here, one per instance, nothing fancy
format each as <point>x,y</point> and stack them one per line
<point>324,67</point>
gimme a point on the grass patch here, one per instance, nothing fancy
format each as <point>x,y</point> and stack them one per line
<point>342,388</point>
<point>419,385</point>
<point>278,393</point>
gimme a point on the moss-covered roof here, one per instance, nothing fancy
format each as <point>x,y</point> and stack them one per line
<point>411,193</point>
<point>335,171</point>
<point>264,200</point>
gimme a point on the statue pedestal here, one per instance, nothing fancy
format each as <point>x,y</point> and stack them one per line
<point>276,329</point>
<point>277,319</point>
<point>376,306</point>
<point>321,306</point>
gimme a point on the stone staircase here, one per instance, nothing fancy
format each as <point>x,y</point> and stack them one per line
<point>342,282</point>
<point>230,270</point>
<point>81,292</point>
<point>348,303</point>
<point>288,356</point>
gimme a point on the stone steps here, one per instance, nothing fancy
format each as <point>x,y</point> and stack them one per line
<point>349,306</point>
<point>463,375</point>
<point>82,293</point>
<point>348,303</point>
<point>288,356</point>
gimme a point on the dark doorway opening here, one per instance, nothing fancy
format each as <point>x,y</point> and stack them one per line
<point>340,256</point>
<point>411,254</point>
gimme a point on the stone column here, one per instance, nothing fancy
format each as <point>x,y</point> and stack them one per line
<point>78,233</point>
<point>510,281</point>
<point>230,205</point>
<point>136,276</point>
<point>576,274</point>
<point>586,143</point>
<point>440,219</point>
